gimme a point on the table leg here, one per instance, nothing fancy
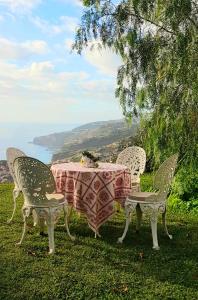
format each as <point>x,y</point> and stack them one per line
<point>97,234</point>
<point>69,213</point>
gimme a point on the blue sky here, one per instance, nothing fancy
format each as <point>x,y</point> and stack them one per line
<point>40,79</point>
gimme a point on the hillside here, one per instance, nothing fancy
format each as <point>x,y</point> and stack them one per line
<point>101,137</point>
<point>55,141</point>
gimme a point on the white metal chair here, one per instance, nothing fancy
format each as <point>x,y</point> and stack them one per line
<point>150,202</point>
<point>135,159</point>
<point>38,186</point>
<point>12,154</point>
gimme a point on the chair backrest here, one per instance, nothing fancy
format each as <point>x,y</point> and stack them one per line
<point>135,159</point>
<point>164,176</point>
<point>11,154</point>
<point>35,179</point>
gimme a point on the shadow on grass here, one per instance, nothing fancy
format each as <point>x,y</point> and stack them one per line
<point>176,262</point>
<point>99,268</point>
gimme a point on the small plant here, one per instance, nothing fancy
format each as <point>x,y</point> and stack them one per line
<point>89,160</point>
<point>90,156</point>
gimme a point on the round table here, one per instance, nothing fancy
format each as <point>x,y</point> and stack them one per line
<point>93,190</point>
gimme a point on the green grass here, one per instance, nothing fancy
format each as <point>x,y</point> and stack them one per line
<point>92,268</point>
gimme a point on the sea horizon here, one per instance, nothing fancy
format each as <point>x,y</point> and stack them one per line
<point>21,135</point>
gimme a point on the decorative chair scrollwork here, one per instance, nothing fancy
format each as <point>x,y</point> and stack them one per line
<point>12,154</point>
<point>135,159</point>
<point>38,186</point>
<point>152,203</point>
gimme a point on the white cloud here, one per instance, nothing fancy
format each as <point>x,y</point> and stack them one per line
<point>69,23</point>
<point>39,76</point>
<point>64,24</point>
<point>14,50</point>
<point>39,68</point>
<point>38,92</point>
<point>68,44</point>
<point>100,86</point>
<point>7,15</point>
<point>105,60</point>
<point>21,6</point>
<point>36,46</point>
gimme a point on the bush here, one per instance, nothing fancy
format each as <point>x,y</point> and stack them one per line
<point>176,204</point>
<point>175,201</point>
<point>147,182</point>
<point>186,184</point>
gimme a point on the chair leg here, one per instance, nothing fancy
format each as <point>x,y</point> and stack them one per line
<point>66,223</point>
<point>154,231</point>
<point>24,227</point>
<point>79,215</point>
<point>139,218</point>
<point>35,218</point>
<point>15,194</point>
<point>50,229</point>
<point>118,207</point>
<point>164,225</point>
<point>69,213</point>
<point>128,218</point>
<point>41,223</point>
<point>97,234</point>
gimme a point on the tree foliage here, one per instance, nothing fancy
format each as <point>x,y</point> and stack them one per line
<point>158,43</point>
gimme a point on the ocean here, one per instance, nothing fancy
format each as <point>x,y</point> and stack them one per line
<point>20,135</point>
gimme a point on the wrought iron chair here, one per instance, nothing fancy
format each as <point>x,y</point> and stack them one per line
<point>151,202</point>
<point>11,154</point>
<point>135,159</point>
<point>38,186</point>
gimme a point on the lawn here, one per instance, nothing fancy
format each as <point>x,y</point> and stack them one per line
<point>92,268</point>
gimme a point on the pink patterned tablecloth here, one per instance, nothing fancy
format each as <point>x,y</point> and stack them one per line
<point>93,190</point>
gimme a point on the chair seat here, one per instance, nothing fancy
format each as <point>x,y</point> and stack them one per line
<point>135,181</point>
<point>55,199</point>
<point>51,201</point>
<point>55,196</point>
<point>142,196</point>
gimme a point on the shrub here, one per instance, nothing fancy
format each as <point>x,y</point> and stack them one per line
<point>186,184</point>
